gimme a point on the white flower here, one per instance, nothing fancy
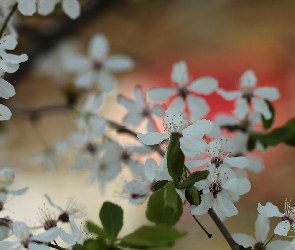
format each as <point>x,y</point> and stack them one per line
<point>137,191</point>
<point>71,209</point>
<point>87,143</point>
<point>49,157</point>
<point>288,217</point>
<point>249,94</point>
<point>26,240</point>
<point>77,235</point>
<point>185,92</point>
<point>6,177</point>
<point>26,7</point>
<point>218,157</point>
<point>97,67</point>
<point>261,231</point>
<point>291,246</point>
<point>218,189</point>
<point>138,110</point>
<point>191,142</point>
<point>71,7</point>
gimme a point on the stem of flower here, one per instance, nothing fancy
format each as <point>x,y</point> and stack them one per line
<point>208,234</point>
<point>56,246</point>
<point>234,245</point>
<point>13,9</point>
<point>265,244</point>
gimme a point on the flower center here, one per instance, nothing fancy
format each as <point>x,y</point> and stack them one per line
<point>64,217</point>
<point>97,66</point>
<point>183,92</point>
<point>215,188</point>
<point>259,246</point>
<point>289,212</point>
<point>125,156</point>
<point>145,112</point>
<point>90,147</point>
<point>248,94</point>
<point>217,161</point>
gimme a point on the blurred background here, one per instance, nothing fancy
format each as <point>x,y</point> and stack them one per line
<point>216,38</point>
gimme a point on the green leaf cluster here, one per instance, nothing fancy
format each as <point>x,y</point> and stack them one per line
<point>146,237</point>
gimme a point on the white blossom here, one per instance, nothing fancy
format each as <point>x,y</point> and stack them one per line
<point>218,189</point>
<point>250,94</point>
<point>26,7</point>
<point>96,68</point>
<point>261,232</point>
<point>71,7</point>
<point>26,240</point>
<point>184,92</point>
<point>288,217</point>
<point>139,110</point>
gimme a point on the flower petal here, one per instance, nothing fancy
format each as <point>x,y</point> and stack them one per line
<point>197,106</point>
<point>98,47</point>
<point>248,79</point>
<point>203,208</point>
<point>244,240</point>
<point>255,165</point>
<point>160,94</point>
<point>179,73</point>
<point>204,85</point>
<point>152,138</point>
<point>106,81</point>
<point>278,244</point>
<point>242,108</point>
<point>71,8</point>
<point>46,7</point>
<point>5,113</point>
<point>226,206</point>
<point>119,63</point>
<point>192,146</point>
<point>269,93</point>
<point>75,63</point>
<point>282,228</point>
<point>229,95</point>
<point>47,236</point>
<point>198,128</point>
<point>238,185</point>
<point>27,7</point>
<point>6,89</point>
<point>238,162</point>
<point>259,105</point>
<point>261,228</point>
<point>132,119</point>
<point>269,210</point>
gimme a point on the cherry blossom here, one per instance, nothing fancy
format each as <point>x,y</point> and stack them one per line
<point>218,190</point>
<point>96,68</point>
<point>184,92</point>
<point>139,110</point>
<point>250,94</point>
<point>261,231</point>
<point>288,217</point>
<point>26,7</point>
<point>71,7</point>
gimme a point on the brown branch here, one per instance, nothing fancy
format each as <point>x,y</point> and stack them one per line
<point>234,245</point>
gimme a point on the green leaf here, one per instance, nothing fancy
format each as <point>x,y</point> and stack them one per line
<point>91,244</point>
<point>148,237</point>
<point>111,216</point>
<point>276,136</point>
<point>291,139</point>
<point>268,123</point>
<point>170,196</point>
<point>159,213</point>
<point>251,142</point>
<point>193,178</point>
<point>192,195</point>
<point>175,157</point>
<point>159,185</point>
<point>93,228</point>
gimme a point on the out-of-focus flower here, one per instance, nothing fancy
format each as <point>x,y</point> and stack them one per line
<point>184,93</point>
<point>288,217</point>
<point>138,110</point>
<point>71,7</point>
<point>26,240</point>
<point>97,67</point>
<point>71,209</point>
<point>261,231</point>
<point>217,190</point>
<point>249,94</point>
<point>26,7</point>
<point>218,157</point>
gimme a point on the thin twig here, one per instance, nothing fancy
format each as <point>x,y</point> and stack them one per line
<point>234,245</point>
<point>13,9</point>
